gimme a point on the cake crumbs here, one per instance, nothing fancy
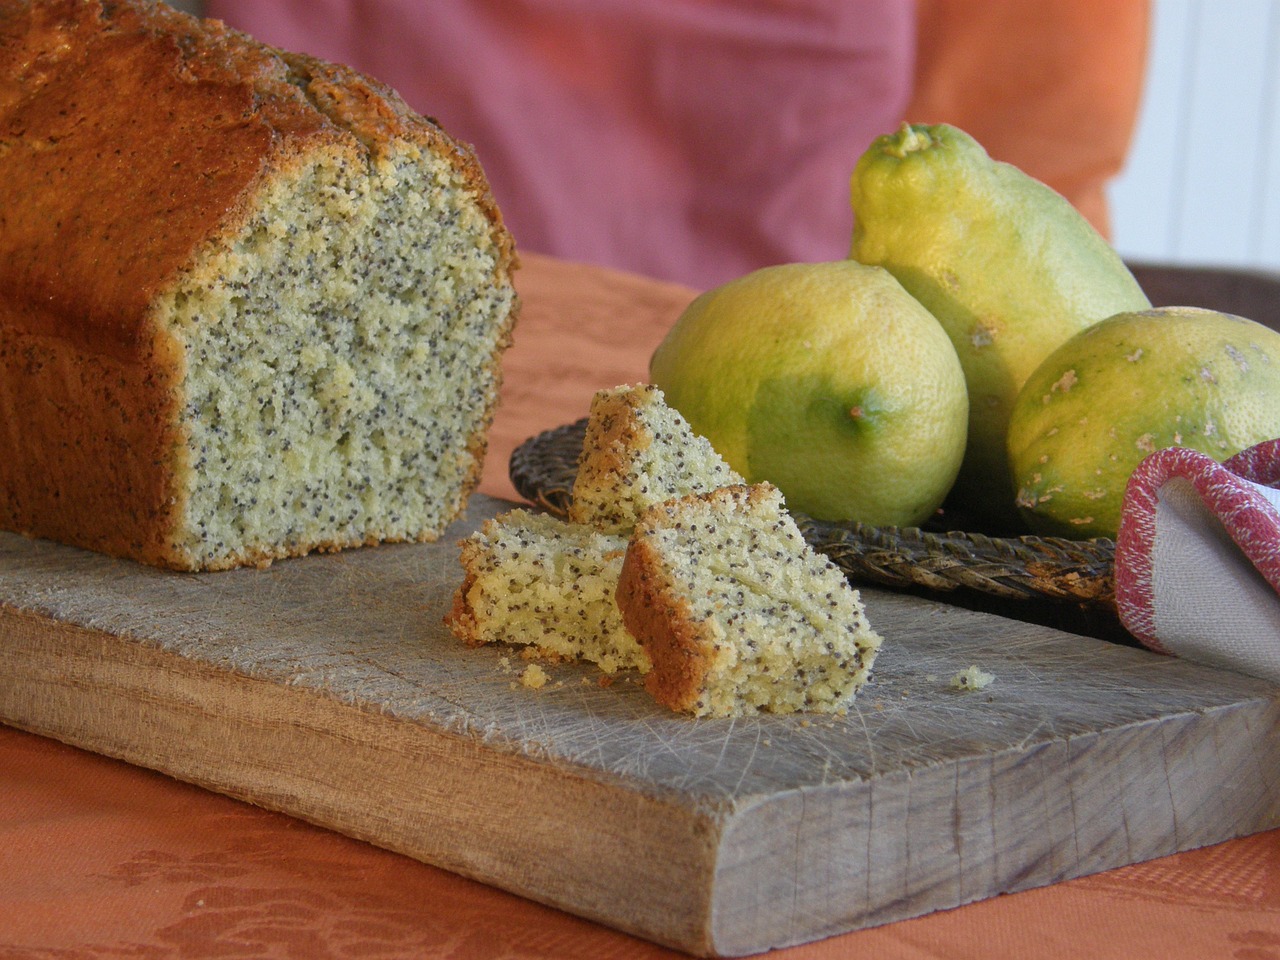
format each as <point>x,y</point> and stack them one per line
<point>534,677</point>
<point>972,679</point>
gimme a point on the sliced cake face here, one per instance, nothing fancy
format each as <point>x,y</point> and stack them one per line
<point>638,452</point>
<point>533,579</point>
<point>340,360</point>
<point>737,613</point>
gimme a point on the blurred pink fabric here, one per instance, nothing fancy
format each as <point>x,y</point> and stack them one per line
<point>698,139</point>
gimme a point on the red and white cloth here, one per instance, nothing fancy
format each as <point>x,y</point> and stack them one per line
<point>1198,557</point>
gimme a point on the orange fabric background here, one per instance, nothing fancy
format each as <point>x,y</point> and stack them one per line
<point>1052,86</point>
<point>99,859</point>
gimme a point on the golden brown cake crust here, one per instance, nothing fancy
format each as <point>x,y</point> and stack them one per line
<point>662,621</point>
<point>676,649</point>
<point>131,138</point>
<point>109,187</point>
<point>613,440</point>
<point>461,618</point>
<point>101,210</point>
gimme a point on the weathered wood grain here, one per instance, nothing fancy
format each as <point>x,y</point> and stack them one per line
<point>328,688</point>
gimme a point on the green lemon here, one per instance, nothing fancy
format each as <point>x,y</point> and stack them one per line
<point>1126,387</point>
<point>1008,266</point>
<point>830,381</point>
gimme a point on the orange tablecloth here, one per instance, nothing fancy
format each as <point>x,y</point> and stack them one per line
<point>99,859</point>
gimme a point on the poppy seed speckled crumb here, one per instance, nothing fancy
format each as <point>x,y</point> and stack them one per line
<point>534,579</point>
<point>639,451</point>
<point>738,614</point>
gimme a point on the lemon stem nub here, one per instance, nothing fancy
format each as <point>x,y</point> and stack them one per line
<point>910,140</point>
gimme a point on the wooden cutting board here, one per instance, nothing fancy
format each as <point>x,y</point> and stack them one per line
<point>328,688</point>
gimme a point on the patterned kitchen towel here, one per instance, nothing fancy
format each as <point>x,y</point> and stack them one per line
<point>1198,557</point>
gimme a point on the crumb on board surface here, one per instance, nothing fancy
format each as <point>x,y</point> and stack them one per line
<point>972,678</point>
<point>534,677</point>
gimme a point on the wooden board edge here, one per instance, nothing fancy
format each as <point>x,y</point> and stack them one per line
<point>638,863</point>
<point>906,845</point>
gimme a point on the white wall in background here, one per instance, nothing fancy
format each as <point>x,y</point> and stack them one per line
<point>1202,183</point>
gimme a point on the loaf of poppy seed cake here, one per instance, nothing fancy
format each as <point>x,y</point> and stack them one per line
<point>737,613</point>
<point>251,304</point>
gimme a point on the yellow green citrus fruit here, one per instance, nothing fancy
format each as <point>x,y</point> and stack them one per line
<point>1126,387</point>
<point>1007,265</point>
<point>830,381</point>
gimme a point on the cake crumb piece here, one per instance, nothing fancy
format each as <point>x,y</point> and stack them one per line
<point>534,677</point>
<point>972,679</point>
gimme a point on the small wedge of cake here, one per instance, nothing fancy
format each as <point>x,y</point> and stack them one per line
<point>737,613</point>
<point>638,451</point>
<point>534,579</point>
